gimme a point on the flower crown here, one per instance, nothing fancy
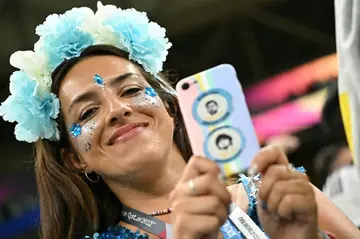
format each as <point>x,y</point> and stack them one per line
<point>62,37</point>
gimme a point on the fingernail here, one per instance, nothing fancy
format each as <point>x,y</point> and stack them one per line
<point>264,205</point>
<point>253,170</point>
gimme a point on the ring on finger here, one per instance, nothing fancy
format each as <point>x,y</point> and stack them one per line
<point>291,168</point>
<point>192,187</point>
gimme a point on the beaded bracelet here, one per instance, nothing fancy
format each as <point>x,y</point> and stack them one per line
<point>251,189</point>
<point>325,235</point>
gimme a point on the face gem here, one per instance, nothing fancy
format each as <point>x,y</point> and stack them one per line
<point>99,81</point>
<point>75,130</point>
<point>150,92</point>
<point>83,141</point>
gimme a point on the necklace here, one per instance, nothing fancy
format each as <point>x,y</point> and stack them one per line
<point>162,229</point>
<point>160,212</point>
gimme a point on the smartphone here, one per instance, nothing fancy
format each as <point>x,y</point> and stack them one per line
<point>217,118</point>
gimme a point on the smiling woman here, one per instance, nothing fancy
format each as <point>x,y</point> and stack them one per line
<point>133,111</point>
<point>112,154</point>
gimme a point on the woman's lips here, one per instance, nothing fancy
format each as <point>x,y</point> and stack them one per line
<point>126,132</point>
<point>130,134</point>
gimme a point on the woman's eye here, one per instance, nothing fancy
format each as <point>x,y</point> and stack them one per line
<point>131,91</point>
<point>87,114</point>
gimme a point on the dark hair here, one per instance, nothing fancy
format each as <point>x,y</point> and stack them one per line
<point>323,160</point>
<point>211,101</point>
<point>332,122</point>
<point>221,137</point>
<point>71,206</point>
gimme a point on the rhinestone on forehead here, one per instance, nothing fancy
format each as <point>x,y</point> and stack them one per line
<point>99,81</point>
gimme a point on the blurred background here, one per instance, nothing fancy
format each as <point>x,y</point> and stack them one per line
<point>283,51</point>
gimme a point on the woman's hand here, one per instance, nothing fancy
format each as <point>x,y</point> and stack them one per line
<point>286,206</point>
<point>200,201</point>
<point>239,196</point>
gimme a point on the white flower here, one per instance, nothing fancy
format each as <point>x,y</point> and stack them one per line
<point>106,11</point>
<point>35,66</point>
<point>101,33</point>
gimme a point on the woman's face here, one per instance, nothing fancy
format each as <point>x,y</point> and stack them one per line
<point>118,129</point>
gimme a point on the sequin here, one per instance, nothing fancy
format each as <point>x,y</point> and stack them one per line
<point>99,81</point>
<point>254,183</point>
<point>118,232</point>
<point>75,130</point>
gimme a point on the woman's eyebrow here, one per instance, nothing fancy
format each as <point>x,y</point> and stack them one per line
<point>82,98</point>
<point>120,78</point>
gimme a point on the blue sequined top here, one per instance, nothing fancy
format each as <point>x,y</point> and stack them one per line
<point>120,232</point>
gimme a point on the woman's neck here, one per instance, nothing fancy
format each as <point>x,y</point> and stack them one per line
<point>148,200</point>
<point>152,194</point>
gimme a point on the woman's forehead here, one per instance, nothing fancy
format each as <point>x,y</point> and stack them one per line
<point>80,77</point>
<point>107,66</point>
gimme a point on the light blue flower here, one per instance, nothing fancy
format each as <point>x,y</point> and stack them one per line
<point>35,113</point>
<point>144,41</point>
<point>62,37</point>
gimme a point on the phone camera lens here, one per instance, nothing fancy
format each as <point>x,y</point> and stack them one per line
<point>185,86</point>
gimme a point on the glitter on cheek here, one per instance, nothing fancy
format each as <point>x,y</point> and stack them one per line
<point>83,141</point>
<point>146,101</point>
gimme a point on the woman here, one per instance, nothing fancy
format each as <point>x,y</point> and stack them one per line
<point>116,146</point>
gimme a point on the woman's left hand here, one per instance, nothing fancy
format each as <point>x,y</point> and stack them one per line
<point>286,201</point>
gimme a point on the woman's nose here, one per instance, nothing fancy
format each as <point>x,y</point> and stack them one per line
<point>118,112</point>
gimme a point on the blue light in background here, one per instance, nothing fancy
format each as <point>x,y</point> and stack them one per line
<point>16,226</point>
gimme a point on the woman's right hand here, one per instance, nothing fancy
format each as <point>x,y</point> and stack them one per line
<point>200,201</point>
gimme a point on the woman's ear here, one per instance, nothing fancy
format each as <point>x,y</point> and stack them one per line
<point>72,161</point>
